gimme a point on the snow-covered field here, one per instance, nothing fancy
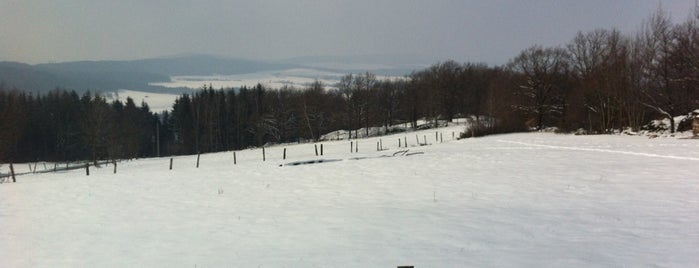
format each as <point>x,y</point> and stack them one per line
<point>297,78</point>
<point>157,102</point>
<point>517,200</point>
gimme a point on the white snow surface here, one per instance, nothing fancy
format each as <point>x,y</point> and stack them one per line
<point>298,78</point>
<point>157,102</point>
<point>516,200</point>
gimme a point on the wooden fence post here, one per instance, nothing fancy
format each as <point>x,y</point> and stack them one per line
<point>87,169</point>
<point>399,143</point>
<point>115,165</point>
<point>377,146</point>
<point>170,163</point>
<point>351,146</point>
<point>381,144</point>
<point>405,140</point>
<point>316,146</point>
<point>235,161</point>
<point>284,156</point>
<point>198,154</point>
<point>264,156</point>
<point>441,138</point>
<point>436,136</point>
<point>356,147</point>
<point>417,139</point>
<point>425,138</point>
<point>321,149</point>
<point>12,172</point>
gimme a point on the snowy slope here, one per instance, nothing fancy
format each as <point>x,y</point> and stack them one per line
<point>519,200</point>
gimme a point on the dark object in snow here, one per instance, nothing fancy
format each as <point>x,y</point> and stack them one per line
<point>308,162</point>
<point>12,171</point>
<point>401,152</point>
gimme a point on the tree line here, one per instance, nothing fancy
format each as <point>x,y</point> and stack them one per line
<point>600,82</point>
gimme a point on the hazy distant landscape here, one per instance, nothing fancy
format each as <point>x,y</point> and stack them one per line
<point>180,74</point>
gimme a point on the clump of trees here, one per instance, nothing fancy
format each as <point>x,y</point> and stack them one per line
<point>62,126</point>
<point>604,80</point>
<point>601,81</point>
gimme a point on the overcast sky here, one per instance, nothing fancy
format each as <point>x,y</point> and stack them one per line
<point>490,31</point>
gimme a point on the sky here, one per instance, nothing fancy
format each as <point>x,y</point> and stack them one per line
<point>490,31</point>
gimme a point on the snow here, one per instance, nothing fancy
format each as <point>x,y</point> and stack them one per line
<point>297,78</point>
<point>522,200</point>
<point>157,102</point>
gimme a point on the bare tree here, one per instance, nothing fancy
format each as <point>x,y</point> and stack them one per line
<point>656,40</point>
<point>544,71</point>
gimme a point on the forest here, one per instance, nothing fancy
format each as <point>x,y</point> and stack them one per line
<point>602,81</point>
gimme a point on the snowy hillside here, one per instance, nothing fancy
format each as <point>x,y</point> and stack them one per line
<point>518,200</point>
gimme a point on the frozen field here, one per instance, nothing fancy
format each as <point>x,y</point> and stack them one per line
<point>518,200</point>
<point>157,102</point>
<point>298,78</point>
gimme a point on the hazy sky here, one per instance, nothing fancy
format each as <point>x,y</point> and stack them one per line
<point>492,31</point>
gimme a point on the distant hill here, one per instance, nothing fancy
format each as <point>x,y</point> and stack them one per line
<point>183,65</point>
<point>109,76</point>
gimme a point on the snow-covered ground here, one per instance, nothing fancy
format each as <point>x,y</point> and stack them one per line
<point>157,102</point>
<point>298,78</point>
<point>517,200</point>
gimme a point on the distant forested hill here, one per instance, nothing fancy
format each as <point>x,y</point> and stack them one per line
<point>107,76</point>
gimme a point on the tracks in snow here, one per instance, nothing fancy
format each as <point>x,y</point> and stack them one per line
<point>600,150</point>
